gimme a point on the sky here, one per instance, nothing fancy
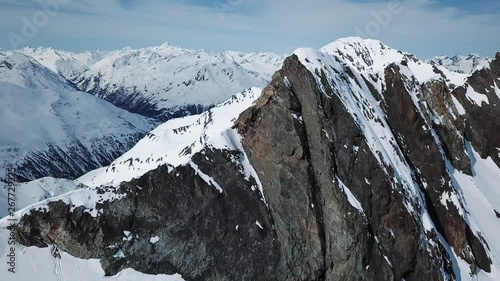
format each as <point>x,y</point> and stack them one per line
<point>423,27</point>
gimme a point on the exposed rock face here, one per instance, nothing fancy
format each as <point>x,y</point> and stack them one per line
<point>205,234</point>
<point>332,207</point>
<point>481,123</point>
<point>438,101</point>
<point>423,153</point>
<point>308,160</point>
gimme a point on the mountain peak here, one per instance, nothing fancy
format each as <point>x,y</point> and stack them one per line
<point>353,40</point>
<point>365,55</point>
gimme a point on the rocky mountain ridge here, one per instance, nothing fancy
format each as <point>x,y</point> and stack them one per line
<point>356,162</point>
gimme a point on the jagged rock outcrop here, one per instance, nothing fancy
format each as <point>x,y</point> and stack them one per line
<point>308,156</point>
<point>203,233</point>
<point>481,122</point>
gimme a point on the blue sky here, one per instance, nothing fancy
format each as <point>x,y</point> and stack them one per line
<point>423,27</point>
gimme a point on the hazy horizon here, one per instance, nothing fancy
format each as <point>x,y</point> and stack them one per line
<point>423,27</point>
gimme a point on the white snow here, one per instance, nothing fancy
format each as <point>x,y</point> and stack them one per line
<point>175,141</point>
<point>362,105</point>
<point>476,97</point>
<point>87,197</point>
<point>24,71</point>
<point>350,197</point>
<point>481,198</point>
<point>154,240</point>
<point>451,198</point>
<point>39,121</point>
<point>119,255</point>
<point>258,224</point>
<point>208,179</point>
<point>458,105</point>
<point>38,190</point>
<point>67,64</point>
<point>475,197</point>
<point>387,260</point>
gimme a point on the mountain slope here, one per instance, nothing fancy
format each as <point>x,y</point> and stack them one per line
<point>49,133</point>
<point>49,129</point>
<point>175,142</point>
<point>357,162</point>
<point>24,71</point>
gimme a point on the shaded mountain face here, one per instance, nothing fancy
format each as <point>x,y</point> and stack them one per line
<point>356,162</point>
<point>50,129</point>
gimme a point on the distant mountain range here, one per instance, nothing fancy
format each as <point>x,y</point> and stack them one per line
<point>161,82</point>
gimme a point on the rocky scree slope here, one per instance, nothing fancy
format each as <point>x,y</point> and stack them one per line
<point>357,162</point>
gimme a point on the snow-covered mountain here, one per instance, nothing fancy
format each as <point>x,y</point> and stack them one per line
<point>356,162</point>
<point>174,142</point>
<point>50,129</point>
<point>462,64</point>
<point>168,81</point>
<point>164,81</point>
<point>24,71</point>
